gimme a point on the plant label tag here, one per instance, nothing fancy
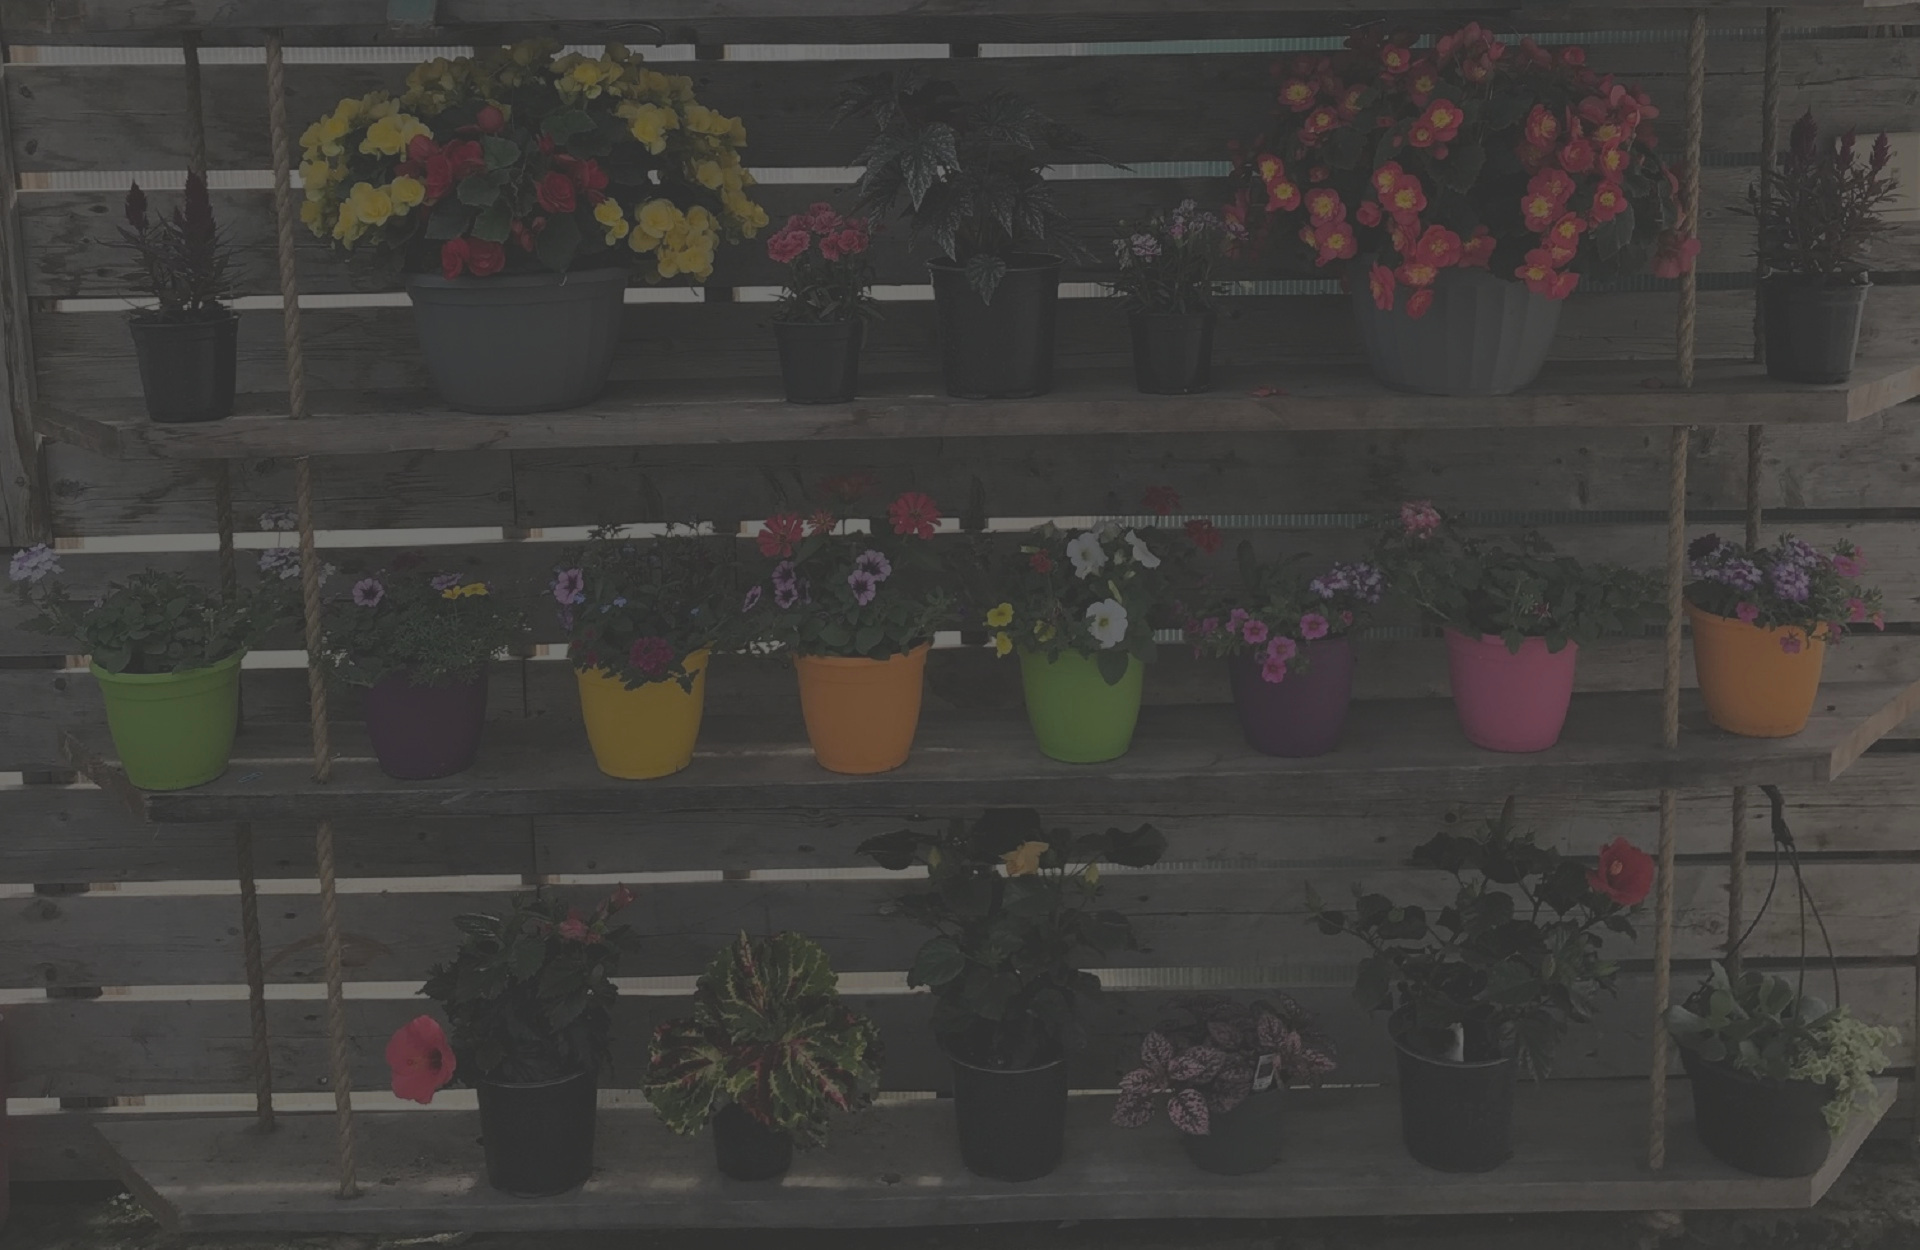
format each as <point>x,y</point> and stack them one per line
<point>1265,1071</point>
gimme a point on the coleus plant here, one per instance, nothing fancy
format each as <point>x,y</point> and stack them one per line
<point>1217,1058</point>
<point>768,1034</point>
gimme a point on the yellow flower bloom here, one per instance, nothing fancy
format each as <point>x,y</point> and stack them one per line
<point>1043,631</point>
<point>659,218</point>
<point>347,227</point>
<point>737,131</point>
<point>310,213</point>
<point>641,241</point>
<point>610,215</point>
<point>649,124</point>
<point>1092,875</point>
<point>390,135</point>
<point>407,193</point>
<point>1000,616</point>
<point>707,174</point>
<point>371,205</point>
<point>1002,644</point>
<point>705,121</point>
<point>1025,860</point>
<point>702,224</point>
<point>316,176</point>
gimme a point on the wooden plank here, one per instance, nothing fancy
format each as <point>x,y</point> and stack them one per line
<point>23,492</point>
<point>1577,1147</point>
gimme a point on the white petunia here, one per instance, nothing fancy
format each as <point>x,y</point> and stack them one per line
<point>1086,555</point>
<point>1107,621</point>
<point>1141,552</point>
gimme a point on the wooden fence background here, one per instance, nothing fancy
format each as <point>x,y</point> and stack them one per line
<point>119,943</point>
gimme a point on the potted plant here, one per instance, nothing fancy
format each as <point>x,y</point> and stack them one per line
<point>1221,1070</point>
<point>1464,188</point>
<point>1488,984</point>
<point>1166,279</point>
<point>420,644</point>
<point>1014,907</point>
<point>642,617</point>
<point>1817,219</point>
<point>517,190</point>
<point>166,655</point>
<point>972,174</point>
<point>1776,1073</point>
<point>821,317</point>
<point>768,1054</point>
<point>1284,636</point>
<point>185,343</point>
<point>1514,618</point>
<point>1762,620</point>
<point>1078,607</point>
<point>528,999</point>
<point>857,612</point>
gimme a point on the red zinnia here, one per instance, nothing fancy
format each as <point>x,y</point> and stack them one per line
<point>780,534</point>
<point>1625,872</point>
<point>821,522</point>
<point>914,513</point>
<point>420,1058</point>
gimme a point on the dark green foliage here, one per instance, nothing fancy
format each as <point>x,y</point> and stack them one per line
<point>1822,207</point>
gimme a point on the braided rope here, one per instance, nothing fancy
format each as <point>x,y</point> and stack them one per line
<point>1690,188</point>
<point>285,215</point>
<point>256,977</point>
<point>1769,152</point>
<point>341,1074</point>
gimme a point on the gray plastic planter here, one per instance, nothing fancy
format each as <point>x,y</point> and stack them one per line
<point>518,342</point>
<point>1482,336</point>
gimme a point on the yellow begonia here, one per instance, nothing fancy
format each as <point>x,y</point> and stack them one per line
<point>347,227</point>
<point>610,215</point>
<point>406,193</point>
<point>659,218</point>
<point>707,174</point>
<point>310,214</point>
<point>737,131</point>
<point>371,205</point>
<point>641,241</point>
<point>390,135</point>
<point>1024,860</point>
<point>705,121</point>
<point>316,176</point>
<point>649,123</point>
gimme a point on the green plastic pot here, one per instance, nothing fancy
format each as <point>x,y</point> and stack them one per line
<point>1076,716</point>
<point>173,730</point>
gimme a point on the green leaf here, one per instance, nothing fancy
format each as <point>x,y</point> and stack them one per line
<point>556,244</point>
<point>500,153</point>
<point>481,190</point>
<point>493,224</point>
<point>449,220</point>
<point>940,961</point>
<point>566,123</point>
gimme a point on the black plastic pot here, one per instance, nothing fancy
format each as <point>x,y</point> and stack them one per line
<point>820,363</point>
<point>1003,349</point>
<point>538,1137</point>
<point>1243,1141</point>
<point>1768,1128</point>
<point>748,1150</point>
<point>1454,1117</point>
<point>1813,331</point>
<point>1172,352</point>
<point>186,367</point>
<point>1013,1125</point>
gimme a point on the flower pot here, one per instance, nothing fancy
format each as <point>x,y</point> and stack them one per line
<point>1751,685</point>
<point>1172,352</point>
<point>645,732</point>
<point>861,714</point>
<point>1813,331</point>
<point>510,343</point>
<point>748,1150</point>
<point>1482,336</point>
<point>1077,717</point>
<point>1242,1141</point>
<point>1013,1124</point>
<point>820,363</point>
<point>1768,1128</point>
<point>423,732</point>
<point>1303,714</point>
<point>1002,350</point>
<point>186,367</point>
<point>173,731</point>
<point>1510,701</point>
<point>538,1137</point>
<point>1454,1117</point>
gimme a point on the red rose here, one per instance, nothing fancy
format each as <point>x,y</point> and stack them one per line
<point>490,119</point>
<point>484,259</point>
<point>555,192</point>
<point>454,255</point>
<point>1625,873</point>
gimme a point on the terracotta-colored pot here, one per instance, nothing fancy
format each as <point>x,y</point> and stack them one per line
<point>1753,686</point>
<point>861,714</point>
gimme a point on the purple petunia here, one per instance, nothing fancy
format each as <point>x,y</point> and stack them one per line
<point>864,587</point>
<point>873,563</point>
<point>752,600</point>
<point>368,592</point>
<point>445,581</point>
<point>786,596</point>
<point>570,587</point>
<point>785,577</point>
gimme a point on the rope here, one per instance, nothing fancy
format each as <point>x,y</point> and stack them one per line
<point>336,1011</point>
<point>1769,150</point>
<point>315,635</point>
<point>285,213</point>
<point>256,977</point>
<point>1690,188</point>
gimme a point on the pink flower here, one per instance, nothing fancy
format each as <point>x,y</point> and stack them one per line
<point>651,655</point>
<point>784,247</point>
<point>1791,644</point>
<point>1847,566</point>
<point>1210,626</point>
<point>1273,670</point>
<point>1236,619</point>
<point>1282,648</point>
<point>1675,254</point>
<point>570,587</point>
<point>1856,610</point>
<point>621,898</point>
<point>1419,518</point>
<point>849,242</point>
<point>1255,632</point>
<point>420,1058</point>
<point>1747,612</point>
<point>576,929</point>
<point>1313,626</point>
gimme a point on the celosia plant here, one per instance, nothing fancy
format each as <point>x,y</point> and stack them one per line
<point>1822,207</point>
<point>1791,583</point>
<point>182,261</point>
<point>434,627</point>
<point>1472,153</point>
<point>517,160</point>
<point>636,608</point>
<point>1167,261</point>
<point>1277,610</point>
<point>1217,1058</point>
<point>828,277</point>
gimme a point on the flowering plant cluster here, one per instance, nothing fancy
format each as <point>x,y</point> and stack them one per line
<point>1822,207</point>
<point>182,261</point>
<point>1167,261</point>
<point>1220,1056</point>
<point>153,622</point>
<point>1015,910</point>
<point>1278,610</point>
<point>517,159</point>
<point>434,627</point>
<point>636,608</point>
<point>1496,972</point>
<point>849,586</point>
<point>829,279</point>
<point>1471,154</point>
<point>528,998</point>
<point>1481,589</point>
<point>1089,592</point>
<point>1791,583</point>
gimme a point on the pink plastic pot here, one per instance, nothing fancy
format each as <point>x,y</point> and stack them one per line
<point>1510,701</point>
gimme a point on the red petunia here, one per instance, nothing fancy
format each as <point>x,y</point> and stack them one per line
<point>1204,535</point>
<point>780,534</point>
<point>1625,873</point>
<point>420,1058</point>
<point>914,513</point>
<point>555,192</point>
<point>1040,562</point>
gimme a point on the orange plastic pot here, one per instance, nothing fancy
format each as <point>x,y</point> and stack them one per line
<point>1752,685</point>
<point>861,713</point>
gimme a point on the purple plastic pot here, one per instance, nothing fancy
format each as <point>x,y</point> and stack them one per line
<point>423,732</point>
<point>1506,700</point>
<point>1302,715</point>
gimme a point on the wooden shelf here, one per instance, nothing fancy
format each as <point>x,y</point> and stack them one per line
<point>1578,1146</point>
<point>1311,397</point>
<point>1192,756</point>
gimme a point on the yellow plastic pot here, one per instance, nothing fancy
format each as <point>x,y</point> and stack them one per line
<point>1752,685</point>
<point>861,714</point>
<point>645,732</point>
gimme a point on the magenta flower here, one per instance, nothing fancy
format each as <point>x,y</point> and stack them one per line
<point>1235,619</point>
<point>368,592</point>
<point>752,600</point>
<point>1314,626</point>
<point>1255,632</point>
<point>1419,518</point>
<point>786,596</point>
<point>1210,626</point>
<point>1273,670</point>
<point>1791,644</point>
<point>864,586</point>
<point>875,564</point>
<point>651,655</point>
<point>1856,610</point>
<point>1847,566</point>
<point>1748,612</point>
<point>1282,648</point>
<point>570,587</point>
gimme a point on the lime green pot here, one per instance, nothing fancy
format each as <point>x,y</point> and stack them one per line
<point>1076,716</point>
<point>173,730</point>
